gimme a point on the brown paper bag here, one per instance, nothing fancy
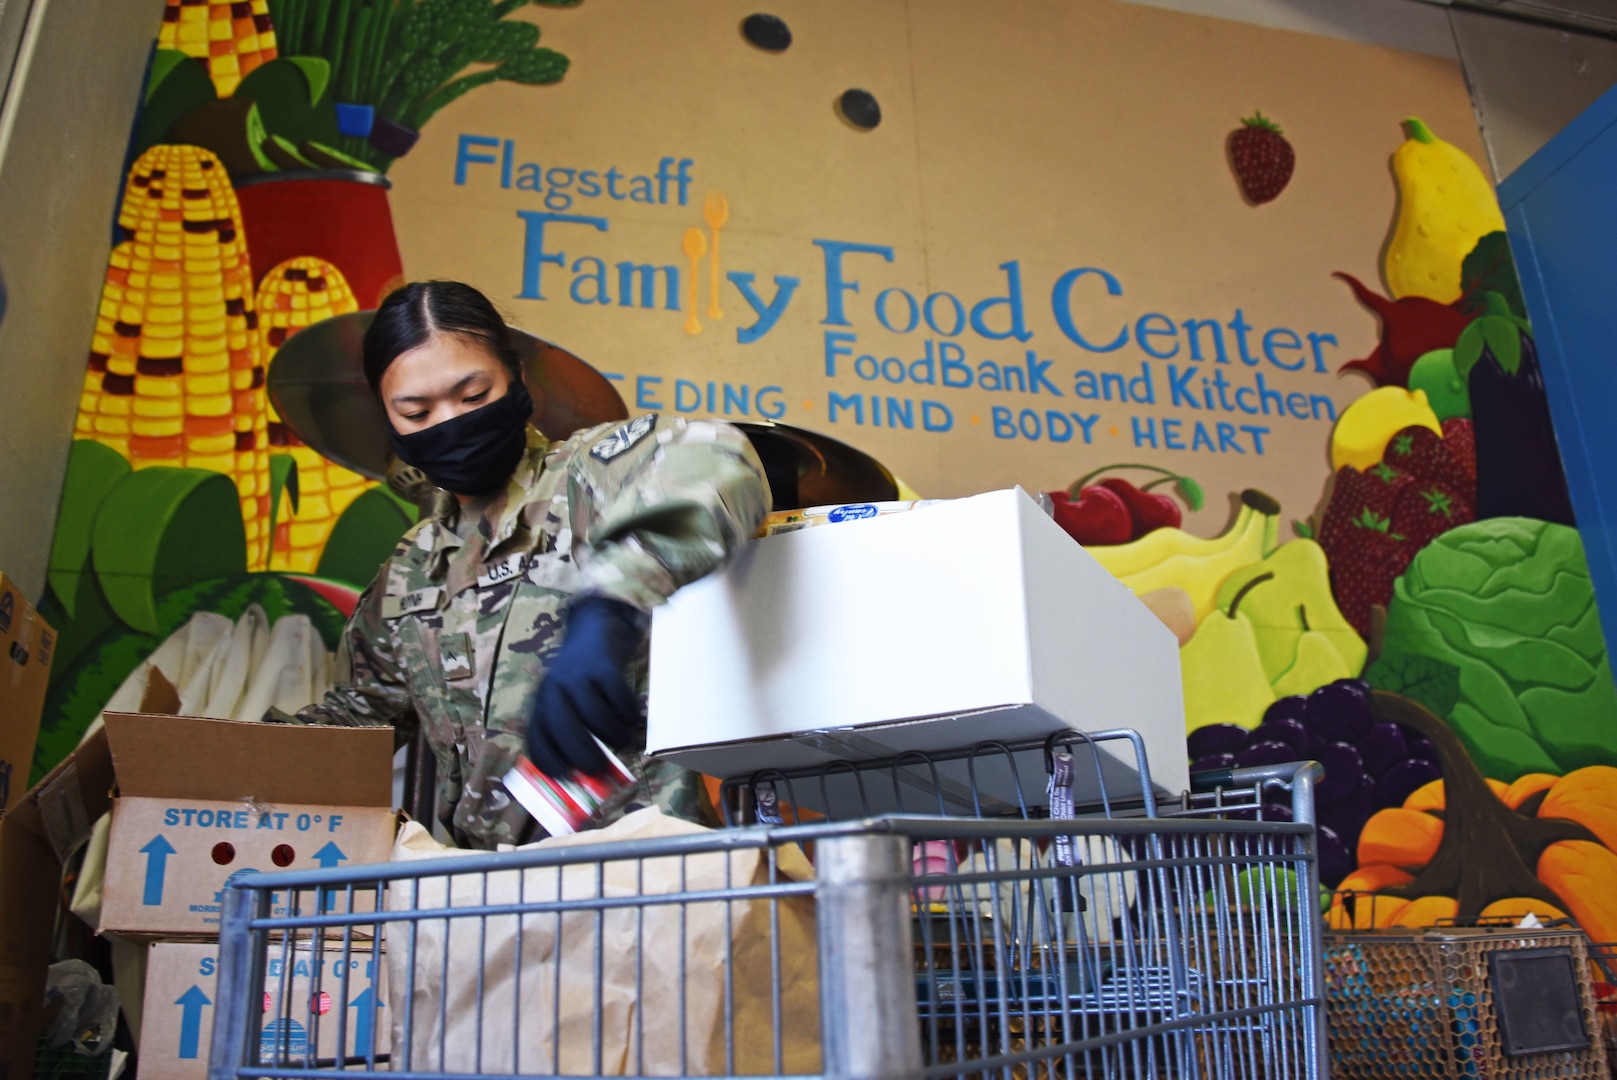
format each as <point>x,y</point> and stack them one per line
<point>473,1014</point>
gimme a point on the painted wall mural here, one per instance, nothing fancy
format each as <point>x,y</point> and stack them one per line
<point>1273,365</point>
<point>254,208</point>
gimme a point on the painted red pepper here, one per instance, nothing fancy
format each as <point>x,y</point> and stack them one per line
<point>1410,328</point>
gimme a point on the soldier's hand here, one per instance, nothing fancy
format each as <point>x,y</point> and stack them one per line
<point>586,689</point>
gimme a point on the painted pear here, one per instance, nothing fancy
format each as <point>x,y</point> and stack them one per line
<point>1172,557</point>
<point>1445,205</point>
<point>1302,638</point>
<point>1223,674</point>
<point>1317,663</point>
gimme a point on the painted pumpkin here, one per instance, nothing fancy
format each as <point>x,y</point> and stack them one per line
<point>1547,848</point>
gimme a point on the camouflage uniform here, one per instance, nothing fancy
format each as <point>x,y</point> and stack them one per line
<point>459,631</point>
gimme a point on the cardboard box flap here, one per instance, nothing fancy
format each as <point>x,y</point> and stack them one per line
<point>188,757</point>
<point>62,807</point>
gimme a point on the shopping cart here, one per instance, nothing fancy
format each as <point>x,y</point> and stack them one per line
<point>1006,932</point>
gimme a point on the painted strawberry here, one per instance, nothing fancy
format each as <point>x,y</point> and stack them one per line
<point>1429,457</point>
<point>1376,489</point>
<point>1427,509</point>
<point>1366,562</point>
<point>1365,553</point>
<point>1462,444</point>
<point>1262,158</point>
<point>1377,520</point>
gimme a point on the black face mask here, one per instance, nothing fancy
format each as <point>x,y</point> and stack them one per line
<point>474,453</point>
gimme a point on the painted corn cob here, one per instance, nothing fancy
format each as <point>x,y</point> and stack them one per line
<point>174,376</point>
<point>297,293</point>
<point>231,38</point>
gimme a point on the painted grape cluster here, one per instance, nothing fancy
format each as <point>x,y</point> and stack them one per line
<point>1369,765</point>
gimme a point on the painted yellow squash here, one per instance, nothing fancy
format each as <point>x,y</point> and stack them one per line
<point>1445,205</point>
<point>1361,436</point>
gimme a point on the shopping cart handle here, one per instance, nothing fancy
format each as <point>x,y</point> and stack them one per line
<point>1212,778</point>
<point>1248,776</point>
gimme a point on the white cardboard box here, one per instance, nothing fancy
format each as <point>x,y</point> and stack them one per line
<point>953,624</point>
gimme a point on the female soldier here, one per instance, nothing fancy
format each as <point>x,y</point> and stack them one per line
<point>519,606</point>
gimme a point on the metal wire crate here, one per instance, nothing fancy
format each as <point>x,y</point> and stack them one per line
<point>1099,947</point>
<point>1484,1001</point>
<point>1603,964</point>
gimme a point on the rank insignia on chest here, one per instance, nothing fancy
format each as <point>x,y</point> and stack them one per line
<point>454,650</point>
<point>624,437</point>
<point>503,570</point>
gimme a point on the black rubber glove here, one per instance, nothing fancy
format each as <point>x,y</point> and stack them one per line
<point>586,689</point>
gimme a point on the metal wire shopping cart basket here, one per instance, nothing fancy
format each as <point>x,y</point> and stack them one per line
<point>1127,939</point>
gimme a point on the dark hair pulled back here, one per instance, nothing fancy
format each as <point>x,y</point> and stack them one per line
<point>410,316</point>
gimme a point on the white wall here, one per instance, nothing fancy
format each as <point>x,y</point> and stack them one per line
<point>1396,24</point>
<point>64,130</point>
<point>1527,81</point>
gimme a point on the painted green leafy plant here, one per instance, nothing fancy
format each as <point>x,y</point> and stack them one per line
<point>281,116</point>
<point>410,58</point>
<point>124,537</point>
<point>137,552</point>
<point>406,59</point>
<point>1494,628</point>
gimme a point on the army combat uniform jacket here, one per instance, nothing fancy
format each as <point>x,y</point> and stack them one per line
<point>459,631</point>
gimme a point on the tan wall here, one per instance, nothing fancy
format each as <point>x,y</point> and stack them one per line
<point>1101,146</point>
<point>64,124</point>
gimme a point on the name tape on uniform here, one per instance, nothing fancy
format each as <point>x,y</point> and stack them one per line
<point>504,570</point>
<point>411,602</point>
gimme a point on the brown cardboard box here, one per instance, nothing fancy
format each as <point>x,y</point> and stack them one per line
<point>48,823</point>
<point>182,763</point>
<point>200,801</point>
<point>26,644</point>
<point>301,999</point>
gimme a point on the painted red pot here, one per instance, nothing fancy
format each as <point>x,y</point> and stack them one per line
<point>338,215</point>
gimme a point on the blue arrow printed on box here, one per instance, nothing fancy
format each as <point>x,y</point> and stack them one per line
<point>365,1021</point>
<point>157,851</point>
<point>330,855</point>
<point>191,1003</point>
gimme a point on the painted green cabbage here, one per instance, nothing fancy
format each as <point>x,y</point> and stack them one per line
<point>1508,604</point>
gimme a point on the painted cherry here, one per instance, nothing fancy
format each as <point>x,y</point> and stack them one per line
<point>1097,516</point>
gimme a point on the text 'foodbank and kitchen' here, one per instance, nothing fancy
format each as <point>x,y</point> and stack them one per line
<point>898,359</point>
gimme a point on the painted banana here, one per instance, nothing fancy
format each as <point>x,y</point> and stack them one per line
<point>1159,545</point>
<point>1172,557</point>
